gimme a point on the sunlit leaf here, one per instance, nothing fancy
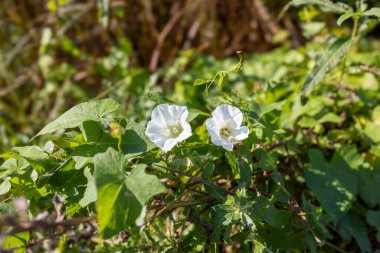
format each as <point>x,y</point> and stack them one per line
<point>331,57</point>
<point>94,110</point>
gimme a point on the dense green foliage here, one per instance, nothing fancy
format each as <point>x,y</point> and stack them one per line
<point>305,179</point>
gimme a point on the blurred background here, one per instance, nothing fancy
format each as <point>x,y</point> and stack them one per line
<point>57,53</point>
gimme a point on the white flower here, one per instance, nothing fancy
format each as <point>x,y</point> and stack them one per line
<point>168,126</point>
<point>224,126</point>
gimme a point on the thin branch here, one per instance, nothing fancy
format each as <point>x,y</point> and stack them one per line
<point>176,204</point>
<point>43,224</point>
<point>276,145</point>
<point>196,178</point>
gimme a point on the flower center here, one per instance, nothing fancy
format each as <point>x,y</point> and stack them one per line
<point>225,132</point>
<point>175,130</point>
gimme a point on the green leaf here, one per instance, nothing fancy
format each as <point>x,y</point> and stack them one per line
<point>369,182</point>
<point>36,157</point>
<point>373,219</point>
<point>201,82</point>
<point>356,228</point>
<point>135,140</point>
<point>266,161</point>
<point>90,195</point>
<point>326,4</point>
<point>7,209</point>
<point>344,17</point>
<point>281,239</point>
<point>17,240</point>
<point>220,81</point>
<point>5,186</point>
<point>330,117</point>
<point>373,12</point>
<point>121,198</point>
<point>371,132</point>
<point>241,164</point>
<point>158,98</point>
<point>98,140</point>
<point>262,109</point>
<point>336,184</point>
<point>333,55</point>
<point>93,110</point>
<point>193,113</point>
<point>143,186</point>
<point>207,175</point>
<point>118,208</point>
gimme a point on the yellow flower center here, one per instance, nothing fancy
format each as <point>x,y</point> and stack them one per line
<point>175,130</point>
<point>225,132</point>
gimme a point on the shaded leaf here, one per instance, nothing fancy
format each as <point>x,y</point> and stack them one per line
<point>344,17</point>
<point>36,157</point>
<point>334,184</point>
<point>356,228</point>
<point>369,182</point>
<point>143,186</point>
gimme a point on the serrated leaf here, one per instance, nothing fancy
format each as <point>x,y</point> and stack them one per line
<point>93,110</point>
<point>344,17</point>
<point>207,175</point>
<point>241,164</point>
<point>373,12</point>
<point>333,55</point>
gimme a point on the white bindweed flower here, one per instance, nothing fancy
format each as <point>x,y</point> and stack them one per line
<point>168,126</point>
<point>224,126</point>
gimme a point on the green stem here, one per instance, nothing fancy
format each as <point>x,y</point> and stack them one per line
<point>119,144</point>
<point>353,38</point>
<point>355,29</point>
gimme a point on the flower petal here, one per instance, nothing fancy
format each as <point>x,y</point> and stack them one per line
<point>169,144</point>
<point>240,133</point>
<point>224,113</point>
<point>164,118</point>
<point>176,112</point>
<point>213,129</point>
<point>156,127</point>
<point>228,146</point>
